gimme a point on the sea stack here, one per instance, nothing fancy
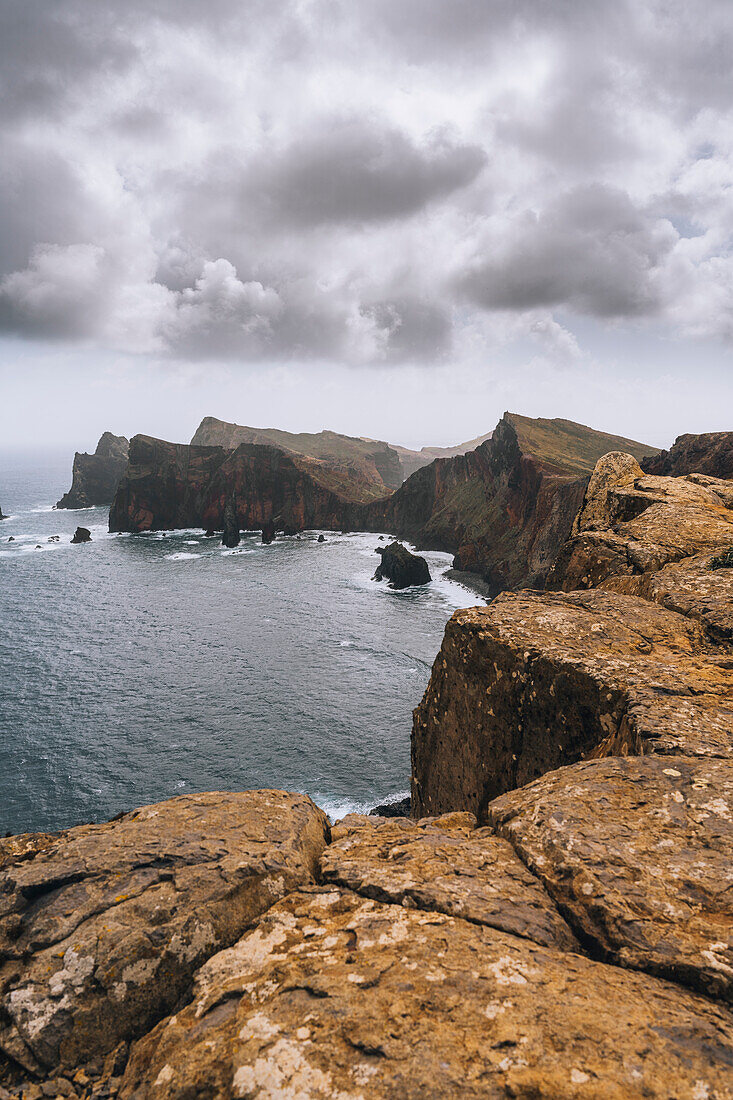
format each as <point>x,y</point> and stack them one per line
<point>230,537</point>
<point>2,516</point>
<point>82,534</point>
<point>401,568</point>
<point>268,532</point>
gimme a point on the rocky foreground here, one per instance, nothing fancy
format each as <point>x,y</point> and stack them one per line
<point>555,921</point>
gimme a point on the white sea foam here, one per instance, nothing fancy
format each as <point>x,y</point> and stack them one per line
<point>336,807</point>
<point>181,556</point>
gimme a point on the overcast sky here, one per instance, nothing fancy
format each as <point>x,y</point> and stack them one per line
<point>394,218</point>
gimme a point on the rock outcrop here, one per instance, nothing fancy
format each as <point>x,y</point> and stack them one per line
<point>1,514</point>
<point>710,454</point>
<point>401,568</point>
<point>540,680</point>
<point>504,509</point>
<point>334,995</point>
<point>82,534</point>
<point>103,926</point>
<point>95,477</point>
<point>637,853</point>
<point>231,535</point>
<point>374,463</point>
<point>173,485</point>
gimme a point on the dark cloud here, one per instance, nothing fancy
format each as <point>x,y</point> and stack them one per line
<point>362,182</point>
<point>359,170</point>
<point>591,250</point>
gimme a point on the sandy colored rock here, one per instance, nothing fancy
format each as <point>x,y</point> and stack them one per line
<point>442,866</point>
<point>631,526</point>
<point>639,855</point>
<point>539,680</point>
<point>102,926</point>
<point>613,471</point>
<point>336,997</point>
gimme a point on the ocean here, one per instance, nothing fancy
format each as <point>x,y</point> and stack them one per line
<point>138,667</point>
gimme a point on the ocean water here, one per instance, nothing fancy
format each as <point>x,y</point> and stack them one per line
<point>139,667</point>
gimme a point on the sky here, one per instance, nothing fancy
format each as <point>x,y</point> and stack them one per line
<point>393,218</point>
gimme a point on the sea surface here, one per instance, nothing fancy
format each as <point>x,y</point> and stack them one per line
<point>139,667</point>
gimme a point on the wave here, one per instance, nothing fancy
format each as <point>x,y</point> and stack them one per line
<point>181,556</point>
<point>337,806</point>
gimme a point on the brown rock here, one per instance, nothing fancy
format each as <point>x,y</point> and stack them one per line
<point>710,453</point>
<point>336,997</point>
<point>638,853</point>
<point>445,866</point>
<point>539,680</point>
<point>628,527</point>
<point>102,926</point>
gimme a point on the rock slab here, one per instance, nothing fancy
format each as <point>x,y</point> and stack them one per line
<point>333,996</point>
<point>103,926</point>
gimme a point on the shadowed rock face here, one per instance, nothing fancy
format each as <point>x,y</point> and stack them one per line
<point>334,995</point>
<point>103,926</point>
<point>504,513</point>
<point>96,477</point>
<point>401,568</point>
<point>711,453</point>
<point>173,485</point>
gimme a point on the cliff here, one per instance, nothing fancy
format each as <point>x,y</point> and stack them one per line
<point>95,477</point>
<point>411,460</point>
<point>371,461</point>
<point>506,508</point>
<point>711,454</point>
<point>173,485</point>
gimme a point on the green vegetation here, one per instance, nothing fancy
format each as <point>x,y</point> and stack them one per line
<point>571,447</point>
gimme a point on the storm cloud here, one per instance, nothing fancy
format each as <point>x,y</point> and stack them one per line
<point>363,182</point>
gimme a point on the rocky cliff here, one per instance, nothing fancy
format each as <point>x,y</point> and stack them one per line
<point>95,477</point>
<point>506,508</point>
<point>371,461</point>
<point>173,485</point>
<point>711,454</point>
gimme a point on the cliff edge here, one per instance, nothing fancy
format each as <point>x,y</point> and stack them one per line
<point>95,477</point>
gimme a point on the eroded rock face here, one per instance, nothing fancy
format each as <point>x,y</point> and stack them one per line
<point>540,680</point>
<point>444,865</point>
<point>103,926</point>
<point>639,853</point>
<point>630,526</point>
<point>173,485</point>
<point>339,997</point>
<point>95,477</point>
<point>710,453</point>
<point>401,568</point>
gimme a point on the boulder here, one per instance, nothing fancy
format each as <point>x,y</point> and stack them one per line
<point>268,532</point>
<point>637,853</point>
<point>539,680</point>
<point>444,865</point>
<point>1,514</point>
<point>103,926</point>
<point>82,534</point>
<point>401,568</point>
<point>399,808</point>
<point>332,996</point>
<point>231,535</point>
<point>321,538</point>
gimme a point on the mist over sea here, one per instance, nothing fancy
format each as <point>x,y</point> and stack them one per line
<point>136,668</point>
